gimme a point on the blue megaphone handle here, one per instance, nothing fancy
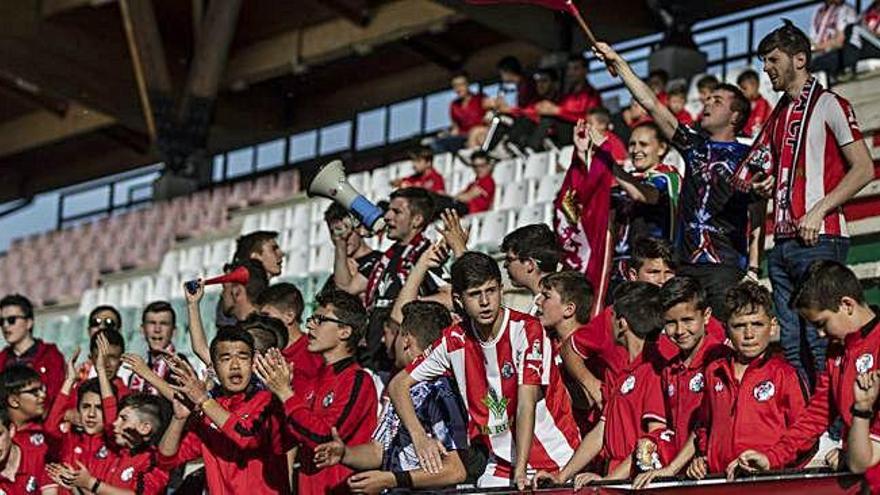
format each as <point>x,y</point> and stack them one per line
<point>192,286</point>
<point>366,211</point>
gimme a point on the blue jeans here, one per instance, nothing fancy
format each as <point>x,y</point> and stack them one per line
<point>786,265</point>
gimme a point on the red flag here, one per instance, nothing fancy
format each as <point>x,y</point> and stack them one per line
<point>562,5</point>
<point>581,213</point>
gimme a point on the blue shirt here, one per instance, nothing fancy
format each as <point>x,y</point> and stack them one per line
<point>713,215</point>
<point>441,412</point>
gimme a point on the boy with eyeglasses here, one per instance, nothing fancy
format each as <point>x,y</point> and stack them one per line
<point>102,317</point>
<point>17,319</point>
<point>24,397</point>
<point>20,473</point>
<point>342,397</point>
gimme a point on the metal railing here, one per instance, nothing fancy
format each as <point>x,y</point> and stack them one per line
<point>388,146</point>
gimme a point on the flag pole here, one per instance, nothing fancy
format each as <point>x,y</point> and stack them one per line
<point>573,10</point>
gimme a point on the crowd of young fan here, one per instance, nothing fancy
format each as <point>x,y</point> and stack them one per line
<point>411,373</point>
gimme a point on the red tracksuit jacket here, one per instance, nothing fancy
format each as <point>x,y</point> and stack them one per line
<point>138,471</point>
<point>306,365</point>
<point>43,357</point>
<point>344,397</point>
<point>242,456</point>
<point>752,413</point>
<point>96,452</point>
<point>833,396</point>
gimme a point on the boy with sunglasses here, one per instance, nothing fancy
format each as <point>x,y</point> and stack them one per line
<point>342,397</point>
<point>24,397</point>
<point>17,321</point>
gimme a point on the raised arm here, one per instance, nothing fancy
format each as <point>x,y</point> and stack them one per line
<point>639,90</point>
<point>353,283</point>
<point>139,367</point>
<point>432,258</point>
<point>197,337</point>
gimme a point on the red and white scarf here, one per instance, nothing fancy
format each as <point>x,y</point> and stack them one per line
<point>784,159</point>
<point>402,267</point>
<point>157,363</point>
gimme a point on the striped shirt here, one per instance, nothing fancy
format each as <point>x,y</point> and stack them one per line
<point>488,375</point>
<point>832,125</point>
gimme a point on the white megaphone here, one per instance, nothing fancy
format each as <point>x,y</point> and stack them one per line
<point>330,183</point>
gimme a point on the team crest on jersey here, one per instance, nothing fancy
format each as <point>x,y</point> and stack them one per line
<point>31,485</point>
<point>719,386</point>
<point>628,385</point>
<point>507,370</point>
<point>42,369</point>
<point>102,453</point>
<point>535,353</point>
<point>764,391</point>
<point>37,439</point>
<point>670,390</point>
<point>127,474</point>
<point>328,399</point>
<point>697,383</point>
<point>77,450</point>
<point>865,362</point>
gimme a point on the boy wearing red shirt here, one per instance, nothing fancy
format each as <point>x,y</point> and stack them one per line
<point>20,473</point>
<point>91,441</point>
<point>142,418</point>
<point>750,84</point>
<point>425,176</point>
<point>505,370</point>
<point>25,399</point>
<point>235,432</point>
<point>598,358</point>
<point>342,396</point>
<point>683,380</point>
<point>17,322</point>
<point>751,393</point>
<point>831,298</point>
<point>479,194</point>
<point>285,302</point>
<point>635,404</point>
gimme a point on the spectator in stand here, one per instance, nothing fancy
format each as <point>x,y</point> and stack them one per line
<point>17,322</point>
<point>503,365</point>
<point>343,397</point>
<point>261,246</point>
<point>530,253</point>
<point>828,36</point>
<point>25,399</point>
<point>658,81</point>
<point>102,317</point>
<point>244,454</point>
<point>645,202</point>
<point>141,422</point>
<point>863,42</point>
<point>158,323</point>
<point>351,251</point>
<point>706,85</point>
<point>714,215</point>
<point>526,118</point>
<point>634,405</point>
<point>425,176</point>
<point>237,301</point>
<point>600,119</point>
<point>511,71</point>
<point>635,115</point>
<point>676,100</point>
<point>750,84</point>
<point>390,455</point>
<point>285,302</point>
<point>831,297</point>
<point>558,120</point>
<point>810,179</point>
<point>466,113</point>
<point>409,213</point>
<point>21,473</point>
<point>479,194</point>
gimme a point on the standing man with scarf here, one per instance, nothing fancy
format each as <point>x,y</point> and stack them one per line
<point>410,211</point>
<point>811,159</point>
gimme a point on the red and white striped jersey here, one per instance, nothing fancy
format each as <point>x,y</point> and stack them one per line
<point>488,374</point>
<point>832,125</point>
